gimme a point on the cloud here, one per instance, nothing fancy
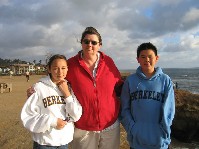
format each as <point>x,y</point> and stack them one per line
<point>191,17</point>
<point>30,29</point>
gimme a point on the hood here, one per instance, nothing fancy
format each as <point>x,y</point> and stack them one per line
<point>158,71</point>
<point>47,80</point>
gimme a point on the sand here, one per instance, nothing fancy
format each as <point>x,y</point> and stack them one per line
<point>12,133</point>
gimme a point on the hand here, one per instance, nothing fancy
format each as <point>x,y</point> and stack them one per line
<point>60,123</point>
<point>30,91</point>
<point>63,86</point>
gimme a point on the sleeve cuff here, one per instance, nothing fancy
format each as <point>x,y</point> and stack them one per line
<point>68,99</point>
<point>54,122</point>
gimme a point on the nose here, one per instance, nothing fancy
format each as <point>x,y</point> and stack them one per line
<point>147,59</point>
<point>59,70</point>
<point>90,44</point>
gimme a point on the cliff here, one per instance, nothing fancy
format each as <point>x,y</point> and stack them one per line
<point>186,122</point>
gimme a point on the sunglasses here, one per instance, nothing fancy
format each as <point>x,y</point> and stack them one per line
<point>86,41</point>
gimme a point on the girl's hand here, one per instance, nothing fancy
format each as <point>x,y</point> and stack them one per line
<point>60,123</point>
<point>63,86</point>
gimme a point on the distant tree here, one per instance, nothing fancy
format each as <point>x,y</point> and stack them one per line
<point>8,62</point>
<point>2,62</point>
<point>48,55</point>
<point>23,62</point>
<point>34,61</point>
<point>17,61</point>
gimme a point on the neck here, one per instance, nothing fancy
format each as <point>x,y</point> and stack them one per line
<point>90,58</point>
<point>149,74</point>
<point>90,61</point>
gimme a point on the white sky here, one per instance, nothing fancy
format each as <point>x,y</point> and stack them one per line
<point>31,29</point>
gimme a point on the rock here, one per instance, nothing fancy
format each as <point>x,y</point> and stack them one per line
<point>185,126</point>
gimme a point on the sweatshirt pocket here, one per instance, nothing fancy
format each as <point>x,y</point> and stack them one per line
<point>148,135</point>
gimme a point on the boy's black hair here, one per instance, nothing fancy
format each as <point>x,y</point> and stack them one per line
<point>146,46</point>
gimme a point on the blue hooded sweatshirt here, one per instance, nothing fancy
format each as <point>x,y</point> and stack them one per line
<point>148,108</point>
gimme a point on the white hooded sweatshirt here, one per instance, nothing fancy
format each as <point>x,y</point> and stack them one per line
<point>42,109</point>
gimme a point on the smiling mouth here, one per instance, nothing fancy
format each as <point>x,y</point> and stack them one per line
<point>147,65</point>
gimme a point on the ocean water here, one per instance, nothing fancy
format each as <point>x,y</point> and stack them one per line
<point>186,78</point>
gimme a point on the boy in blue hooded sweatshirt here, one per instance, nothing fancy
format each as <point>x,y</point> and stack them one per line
<point>148,103</point>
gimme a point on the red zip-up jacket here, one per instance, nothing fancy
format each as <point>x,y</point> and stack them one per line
<point>96,95</point>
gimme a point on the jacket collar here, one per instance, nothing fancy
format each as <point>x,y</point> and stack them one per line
<point>102,55</point>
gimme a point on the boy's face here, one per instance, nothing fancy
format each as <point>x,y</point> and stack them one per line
<point>147,60</point>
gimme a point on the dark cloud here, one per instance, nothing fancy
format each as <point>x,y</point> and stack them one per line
<point>29,29</point>
<point>159,20</point>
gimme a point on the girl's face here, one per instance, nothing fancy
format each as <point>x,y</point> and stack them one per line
<point>90,44</point>
<point>58,70</point>
<point>147,60</point>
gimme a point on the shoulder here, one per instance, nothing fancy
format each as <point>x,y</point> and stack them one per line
<point>165,76</point>
<point>166,79</point>
<point>131,77</point>
<point>39,86</point>
<point>104,56</point>
<point>73,59</point>
<point>107,59</point>
<point>40,83</point>
<point>161,73</point>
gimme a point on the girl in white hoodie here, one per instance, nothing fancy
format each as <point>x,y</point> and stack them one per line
<point>50,111</point>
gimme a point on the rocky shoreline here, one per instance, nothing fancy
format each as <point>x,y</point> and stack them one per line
<point>186,122</point>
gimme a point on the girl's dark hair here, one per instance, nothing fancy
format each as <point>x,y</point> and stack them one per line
<point>54,57</point>
<point>146,46</point>
<point>91,30</point>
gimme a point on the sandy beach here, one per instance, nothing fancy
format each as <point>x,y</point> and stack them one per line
<point>12,133</point>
